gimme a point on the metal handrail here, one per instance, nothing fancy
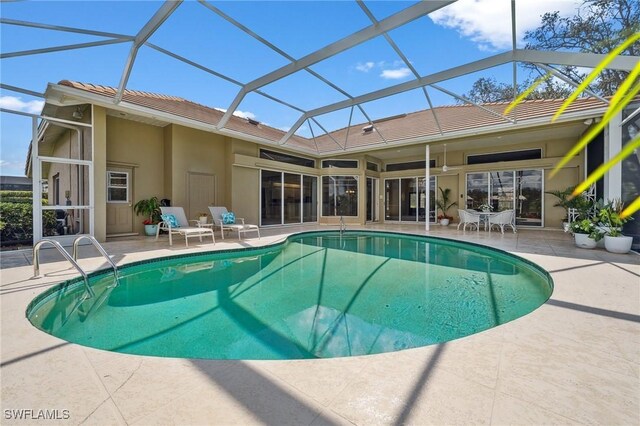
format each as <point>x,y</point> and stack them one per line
<point>343,226</point>
<point>65,254</point>
<point>99,247</point>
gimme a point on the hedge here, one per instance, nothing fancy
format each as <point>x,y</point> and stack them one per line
<point>16,217</point>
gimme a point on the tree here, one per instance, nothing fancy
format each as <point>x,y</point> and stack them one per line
<point>488,89</point>
<point>599,26</point>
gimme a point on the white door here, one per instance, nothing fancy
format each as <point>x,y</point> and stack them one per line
<point>119,208</point>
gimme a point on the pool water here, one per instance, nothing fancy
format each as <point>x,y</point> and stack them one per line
<point>318,295</point>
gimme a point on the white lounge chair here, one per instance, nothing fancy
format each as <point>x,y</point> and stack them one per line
<point>183,227</point>
<point>240,227</point>
<point>502,219</point>
<point>468,218</point>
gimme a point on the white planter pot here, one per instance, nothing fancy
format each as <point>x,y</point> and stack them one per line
<point>583,241</point>
<point>150,230</point>
<point>444,222</point>
<point>203,220</point>
<point>620,244</point>
<point>565,226</point>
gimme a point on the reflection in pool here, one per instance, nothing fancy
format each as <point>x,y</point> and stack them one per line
<point>318,295</point>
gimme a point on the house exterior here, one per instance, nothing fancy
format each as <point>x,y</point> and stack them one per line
<point>15,183</point>
<point>100,158</point>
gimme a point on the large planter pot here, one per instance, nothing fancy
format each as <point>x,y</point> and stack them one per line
<point>444,222</point>
<point>150,230</point>
<point>620,244</point>
<point>583,241</point>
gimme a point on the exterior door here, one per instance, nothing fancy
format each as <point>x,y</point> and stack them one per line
<point>202,194</point>
<point>119,197</point>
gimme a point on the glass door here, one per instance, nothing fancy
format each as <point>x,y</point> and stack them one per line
<point>271,194</point>
<point>309,199</point>
<point>477,190</point>
<point>392,199</point>
<point>529,197</point>
<point>372,200</point>
<point>408,199</point>
<point>292,198</point>
<point>501,191</point>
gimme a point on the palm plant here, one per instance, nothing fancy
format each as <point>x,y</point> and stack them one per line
<point>443,203</point>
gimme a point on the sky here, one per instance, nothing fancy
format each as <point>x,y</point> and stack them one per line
<point>465,31</point>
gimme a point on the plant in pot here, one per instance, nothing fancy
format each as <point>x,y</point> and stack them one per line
<point>586,233</point>
<point>151,209</point>
<point>203,218</point>
<point>566,201</point>
<point>444,204</point>
<point>610,219</point>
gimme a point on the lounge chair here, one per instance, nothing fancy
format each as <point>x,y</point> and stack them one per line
<point>240,227</point>
<point>502,219</point>
<point>468,218</point>
<point>181,226</point>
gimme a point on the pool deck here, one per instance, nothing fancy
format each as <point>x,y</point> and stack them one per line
<point>575,360</point>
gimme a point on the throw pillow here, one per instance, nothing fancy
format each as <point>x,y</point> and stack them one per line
<point>171,220</point>
<point>228,218</point>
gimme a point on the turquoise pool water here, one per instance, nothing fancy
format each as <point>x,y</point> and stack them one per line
<point>318,295</point>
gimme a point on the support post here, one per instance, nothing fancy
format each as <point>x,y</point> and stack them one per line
<point>612,146</point>
<point>36,179</point>
<point>427,158</point>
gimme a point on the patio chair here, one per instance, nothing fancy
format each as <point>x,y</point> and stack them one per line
<point>240,227</point>
<point>502,219</point>
<point>181,225</point>
<point>468,218</point>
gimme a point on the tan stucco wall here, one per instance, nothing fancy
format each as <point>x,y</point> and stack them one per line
<point>100,172</point>
<point>141,147</point>
<point>198,152</point>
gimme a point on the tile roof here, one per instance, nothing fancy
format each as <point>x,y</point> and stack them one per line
<point>455,118</point>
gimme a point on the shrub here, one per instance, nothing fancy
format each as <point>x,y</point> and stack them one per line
<point>16,217</point>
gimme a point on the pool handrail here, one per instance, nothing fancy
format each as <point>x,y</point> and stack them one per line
<point>99,247</point>
<point>65,254</point>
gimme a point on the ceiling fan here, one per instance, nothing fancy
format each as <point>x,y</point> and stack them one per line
<point>446,168</point>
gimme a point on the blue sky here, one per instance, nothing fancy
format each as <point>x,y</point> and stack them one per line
<point>465,31</point>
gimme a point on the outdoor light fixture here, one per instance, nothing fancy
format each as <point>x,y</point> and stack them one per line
<point>77,114</point>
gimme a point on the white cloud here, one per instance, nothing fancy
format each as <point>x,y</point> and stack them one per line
<point>7,166</point>
<point>396,73</point>
<point>365,67</point>
<point>488,22</point>
<point>238,113</point>
<point>17,104</point>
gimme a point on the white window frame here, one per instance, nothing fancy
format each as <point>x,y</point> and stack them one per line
<point>109,186</point>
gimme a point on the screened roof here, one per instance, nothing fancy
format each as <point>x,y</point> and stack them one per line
<point>310,76</point>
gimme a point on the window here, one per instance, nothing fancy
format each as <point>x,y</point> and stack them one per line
<point>56,189</point>
<point>340,164</point>
<point>286,158</point>
<point>340,196</point>
<point>406,199</point>
<point>372,166</point>
<point>410,165</point>
<point>117,187</point>
<point>520,190</point>
<point>287,198</point>
<point>495,157</point>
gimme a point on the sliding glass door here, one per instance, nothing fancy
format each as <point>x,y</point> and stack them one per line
<point>520,190</point>
<point>406,199</point>
<point>372,199</point>
<point>287,198</point>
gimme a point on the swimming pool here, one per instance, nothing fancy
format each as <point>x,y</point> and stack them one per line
<point>317,295</point>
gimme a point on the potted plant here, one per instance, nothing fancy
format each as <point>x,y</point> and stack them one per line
<point>151,209</point>
<point>203,218</point>
<point>586,233</point>
<point>485,208</point>
<point>610,219</point>
<point>566,201</point>
<point>444,204</point>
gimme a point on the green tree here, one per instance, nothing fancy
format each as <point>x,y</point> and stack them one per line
<point>597,27</point>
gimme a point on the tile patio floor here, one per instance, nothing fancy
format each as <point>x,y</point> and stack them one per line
<point>575,360</point>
